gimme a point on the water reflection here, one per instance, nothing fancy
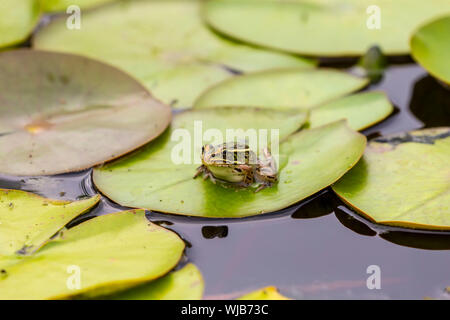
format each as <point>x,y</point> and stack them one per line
<point>430,102</point>
<point>353,223</point>
<point>319,205</point>
<point>429,241</point>
<point>211,232</point>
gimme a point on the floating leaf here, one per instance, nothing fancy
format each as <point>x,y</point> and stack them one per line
<point>323,27</point>
<point>162,43</point>
<point>62,113</point>
<point>267,293</point>
<point>430,46</point>
<point>361,110</point>
<point>319,90</point>
<point>150,179</point>
<point>108,253</point>
<point>285,88</point>
<point>62,5</point>
<point>27,220</point>
<point>403,180</point>
<point>184,284</point>
<point>17,20</point>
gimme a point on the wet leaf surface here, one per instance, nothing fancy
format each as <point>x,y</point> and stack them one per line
<point>164,44</point>
<point>149,179</point>
<point>323,27</point>
<point>403,180</point>
<point>430,46</point>
<point>184,284</point>
<point>17,20</point>
<point>27,221</point>
<point>61,113</point>
<point>108,253</point>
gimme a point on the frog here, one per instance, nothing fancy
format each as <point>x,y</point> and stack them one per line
<point>237,164</point>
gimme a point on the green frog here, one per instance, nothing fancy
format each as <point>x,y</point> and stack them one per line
<point>236,163</point>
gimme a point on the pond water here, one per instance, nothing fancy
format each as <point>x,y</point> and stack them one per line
<point>319,248</point>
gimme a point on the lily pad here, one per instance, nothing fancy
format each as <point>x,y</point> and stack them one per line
<point>61,113</point>
<point>62,5</point>
<point>17,20</point>
<point>430,46</point>
<point>108,253</point>
<point>267,293</point>
<point>164,44</point>
<point>323,27</point>
<point>27,220</point>
<point>184,284</point>
<point>403,180</point>
<point>322,91</point>
<point>150,179</point>
<point>286,88</point>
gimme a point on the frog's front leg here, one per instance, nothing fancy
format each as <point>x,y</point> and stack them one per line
<point>206,173</point>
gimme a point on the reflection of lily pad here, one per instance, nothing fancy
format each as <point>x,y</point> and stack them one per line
<point>27,221</point>
<point>309,161</point>
<point>268,293</point>
<point>62,5</point>
<point>322,91</point>
<point>164,44</point>
<point>61,113</point>
<point>430,46</point>
<point>108,253</point>
<point>323,27</point>
<point>17,20</point>
<point>184,284</point>
<point>403,180</point>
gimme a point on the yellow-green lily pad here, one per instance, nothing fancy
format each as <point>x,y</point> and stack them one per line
<point>403,180</point>
<point>163,43</point>
<point>322,91</point>
<point>62,5</point>
<point>27,220</point>
<point>17,20</point>
<point>430,46</point>
<point>267,293</point>
<point>309,161</point>
<point>184,284</point>
<point>61,113</point>
<point>99,256</point>
<point>323,27</point>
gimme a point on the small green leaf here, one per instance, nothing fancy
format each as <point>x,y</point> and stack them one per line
<point>17,20</point>
<point>267,293</point>
<point>430,46</point>
<point>184,284</point>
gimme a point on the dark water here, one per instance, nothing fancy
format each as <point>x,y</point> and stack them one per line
<point>318,248</point>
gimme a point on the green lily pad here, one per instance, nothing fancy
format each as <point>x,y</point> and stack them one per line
<point>17,20</point>
<point>267,293</point>
<point>61,113</point>
<point>150,179</point>
<point>323,27</point>
<point>27,220</point>
<point>108,253</point>
<point>286,88</point>
<point>62,5</point>
<point>403,180</point>
<point>430,46</point>
<point>164,44</point>
<point>322,91</point>
<point>184,284</point>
